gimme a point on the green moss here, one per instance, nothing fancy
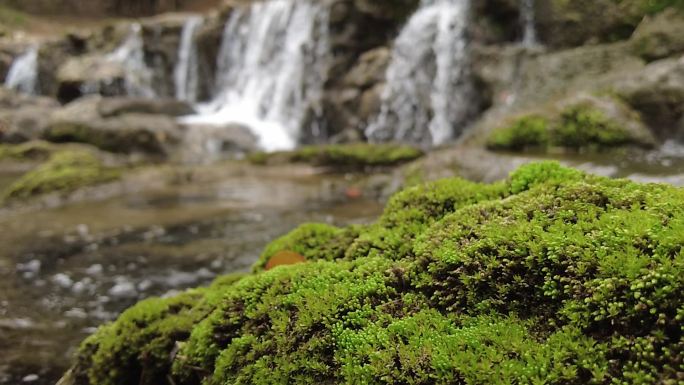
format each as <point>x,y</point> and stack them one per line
<point>530,131</point>
<point>580,126</point>
<point>29,151</point>
<point>356,155</point>
<point>314,241</point>
<point>64,171</point>
<point>12,18</point>
<point>552,276</point>
<point>584,126</point>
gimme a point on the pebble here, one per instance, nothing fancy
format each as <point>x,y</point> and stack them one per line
<point>62,280</point>
<point>123,290</point>
<point>76,313</point>
<point>32,266</point>
<point>30,378</point>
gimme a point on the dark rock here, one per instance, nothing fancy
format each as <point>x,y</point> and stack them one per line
<point>116,106</point>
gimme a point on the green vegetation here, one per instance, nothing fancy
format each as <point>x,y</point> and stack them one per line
<point>581,126</point>
<point>552,277</point>
<point>64,171</point>
<point>354,155</point>
<point>29,151</point>
<point>529,131</point>
<point>11,18</point>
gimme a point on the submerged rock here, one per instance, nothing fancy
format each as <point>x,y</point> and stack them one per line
<point>552,276</point>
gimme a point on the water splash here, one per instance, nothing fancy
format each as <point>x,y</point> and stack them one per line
<point>186,74</point>
<point>270,70</point>
<point>23,74</point>
<point>528,21</point>
<point>131,55</point>
<point>428,96</point>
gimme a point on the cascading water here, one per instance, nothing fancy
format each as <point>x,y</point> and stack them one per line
<point>131,55</point>
<point>186,73</point>
<point>23,74</point>
<point>527,19</point>
<point>270,70</point>
<point>429,95</point>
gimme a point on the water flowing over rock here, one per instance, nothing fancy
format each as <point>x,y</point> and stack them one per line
<point>131,55</point>
<point>270,71</point>
<point>23,74</point>
<point>186,74</point>
<point>428,97</point>
<point>527,19</point>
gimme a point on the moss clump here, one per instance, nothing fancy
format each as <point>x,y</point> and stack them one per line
<point>356,155</point>
<point>64,171</point>
<point>29,151</point>
<point>553,276</point>
<point>529,131</point>
<point>581,126</point>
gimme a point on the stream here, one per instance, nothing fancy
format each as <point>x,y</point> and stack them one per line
<point>66,270</point>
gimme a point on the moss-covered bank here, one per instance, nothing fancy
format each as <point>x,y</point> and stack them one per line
<point>64,171</point>
<point>343,156</point>
<point>551,277</point>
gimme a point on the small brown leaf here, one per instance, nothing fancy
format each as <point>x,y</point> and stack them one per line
<point>284,257</point>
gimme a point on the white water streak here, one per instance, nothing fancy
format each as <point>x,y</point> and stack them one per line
<point>186,73</point>
<point>428,96</point>
<point>23,74</point>
<point>270,70</point>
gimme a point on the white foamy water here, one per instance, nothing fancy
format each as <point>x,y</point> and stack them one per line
<point>186,73</point>
<point>131,55</point>
<point>428,97</point>
<point>270,70</point>
<point>23,74</point>
<point>528,20</point>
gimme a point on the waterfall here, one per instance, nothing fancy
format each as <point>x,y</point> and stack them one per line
<point>131,55</point>
<point>186,72</point>
<point>23,74</point>
<point>527,19</point>
<point>428,96</point>
<point>270,70</point>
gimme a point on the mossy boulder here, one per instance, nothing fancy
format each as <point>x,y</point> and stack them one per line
<point>564,23</point>
<point>585,123</point>
<point>27,152</point>
<point>660,36</point>
<point>64,171</point>
<point>553,276</point>
<point>343,156</point>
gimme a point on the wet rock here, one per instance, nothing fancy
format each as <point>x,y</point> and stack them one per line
<point>660,36</point>
<point>658,93</point>
<point>206,142</point>
<point>117,106</point>
<point>573,23</point>
<point>91,74</point>
<point>370,68</point>
<point>126,133</point>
